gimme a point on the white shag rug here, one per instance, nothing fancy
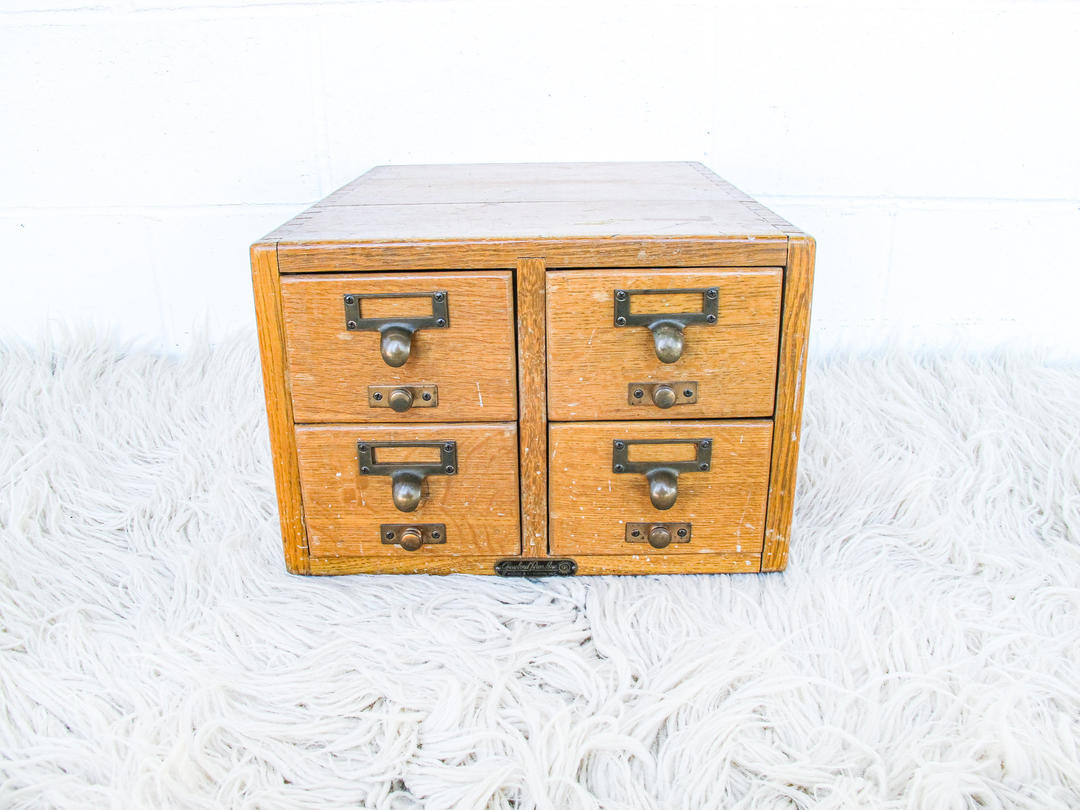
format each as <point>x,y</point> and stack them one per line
<point>922,651</point>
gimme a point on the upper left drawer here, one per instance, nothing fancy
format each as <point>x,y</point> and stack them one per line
<point>353,342</point>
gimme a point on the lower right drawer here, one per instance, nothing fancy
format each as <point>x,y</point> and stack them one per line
<point>674,487</point>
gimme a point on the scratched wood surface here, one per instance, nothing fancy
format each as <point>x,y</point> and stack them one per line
<point>489,215</point>
<point>591,361</point>
<point>344,509</point>
<point>533,182</point>
<point>471,361</point>
<point>590,504</point>
<point>498,201</point>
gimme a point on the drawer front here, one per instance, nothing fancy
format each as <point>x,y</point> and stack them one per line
<point>355,343</point>
<point>595,509</point>
<point>348,511</point>
<point>717,331</point>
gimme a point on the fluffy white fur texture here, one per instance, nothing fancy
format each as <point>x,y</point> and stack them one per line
<point>922,651</point>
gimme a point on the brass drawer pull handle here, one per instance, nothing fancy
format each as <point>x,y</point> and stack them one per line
<point>395,345</point>
<point>658,535</point>
<point>663,395</point>
<point>667,328</point>
<point>412,536</point>
<point>663,476</point>
<point>401,398</point>
<point>406,477</point>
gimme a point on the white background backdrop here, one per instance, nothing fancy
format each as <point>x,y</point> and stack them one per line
<point>931,147</point>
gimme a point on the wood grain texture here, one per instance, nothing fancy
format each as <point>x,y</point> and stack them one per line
<point>571,214</point>
<point>279,415</point>
<point>798,287</point>
<point>482,254</point>
<point>472,361</point>
<point>344,509</point>
<point>508,201</point>
<point>591,361</point>
<point>603,219</point>
<point>532,418</point>
<point>588,565</point>
<point>590,505</point>
<point>532,182</point>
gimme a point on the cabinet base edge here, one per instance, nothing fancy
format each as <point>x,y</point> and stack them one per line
<point>587,565</point>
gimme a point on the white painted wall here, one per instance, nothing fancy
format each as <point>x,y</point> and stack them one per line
<point>931,147</point>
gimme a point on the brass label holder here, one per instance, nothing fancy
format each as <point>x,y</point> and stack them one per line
<point>663,476</point>
<point>667,327</point>
<point>662,394</point>
<point>406,477</point>
<point>395,343</point>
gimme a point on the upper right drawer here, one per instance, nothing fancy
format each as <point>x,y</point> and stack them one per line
<point>672,344</point>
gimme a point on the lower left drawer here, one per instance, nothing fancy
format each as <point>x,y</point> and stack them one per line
<point>388,490</point>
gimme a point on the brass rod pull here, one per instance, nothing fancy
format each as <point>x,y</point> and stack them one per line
<point>667,328</point>
<point>662,476</point>
<point>396,334</point>
<point>667,340</point>
<point>395,346</point>
<point>663,486</point>
<point>405,489</point>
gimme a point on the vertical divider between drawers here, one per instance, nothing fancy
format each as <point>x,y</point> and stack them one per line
<point>530,285</point>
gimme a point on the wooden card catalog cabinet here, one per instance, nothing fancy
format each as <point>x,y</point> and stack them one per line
<point>535,370</point>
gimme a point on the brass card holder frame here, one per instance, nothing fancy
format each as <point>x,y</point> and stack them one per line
<point>406,477</point>
<point>663,476</point>
<point>667,327</point>
<point>395,344</point>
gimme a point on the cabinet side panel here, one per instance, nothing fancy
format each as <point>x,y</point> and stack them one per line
<point>791,380</point>
<point>279,414</point>
<point>531,286</point>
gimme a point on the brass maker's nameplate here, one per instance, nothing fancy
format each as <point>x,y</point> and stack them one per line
<point>535,567</point>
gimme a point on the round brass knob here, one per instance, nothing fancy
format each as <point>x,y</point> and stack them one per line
<point>412,539</point>
<point>401,399</point>
<point>663,396</point>
<point>406,492</point>
<point>659,537</point>
<point>668,341</point>
<point>395,346</point>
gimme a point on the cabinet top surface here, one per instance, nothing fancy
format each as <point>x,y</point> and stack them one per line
<point>533,201</point>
